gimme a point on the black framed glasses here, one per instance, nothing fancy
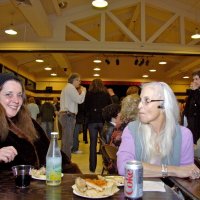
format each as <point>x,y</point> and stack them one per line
<point>146,100</point>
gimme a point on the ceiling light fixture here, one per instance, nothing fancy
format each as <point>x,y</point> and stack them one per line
<point>141,62</point>
<point>136,61</point>
<point>145,76</point>
<point>99,3</point>
<point>10,30</point>
<point>96,75</point>
<point>147,62</point>
<point>48,68</point>
<point>53,74</point>
<point>196,35</point>
<point>107,61</point>
<point>186,77</point>
<point>62,4</point>
<point>152,70</point>
<point>162,63</point>
<point>97,60</point>
<point>117,61</point>
<point>97,69</point>
<point>39,60</point>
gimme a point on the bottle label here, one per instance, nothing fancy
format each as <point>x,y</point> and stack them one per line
<point>53,169</point>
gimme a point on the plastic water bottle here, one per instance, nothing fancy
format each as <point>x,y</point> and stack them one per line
<point>53,162</point>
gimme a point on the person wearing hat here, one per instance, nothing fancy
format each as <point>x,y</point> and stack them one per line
<point>22,140</point>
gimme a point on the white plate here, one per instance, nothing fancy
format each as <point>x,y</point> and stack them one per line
<point>43,177</point>
<point>119,180</point>
<point>80,195</point>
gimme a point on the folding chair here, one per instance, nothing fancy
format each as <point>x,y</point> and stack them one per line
<point>109,155</point>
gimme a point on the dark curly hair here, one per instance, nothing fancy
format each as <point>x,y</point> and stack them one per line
<point>110,111</point>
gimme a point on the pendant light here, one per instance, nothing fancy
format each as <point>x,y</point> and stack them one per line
<point>196,35</point>
<point>99,3</point>
<point>10,30</point>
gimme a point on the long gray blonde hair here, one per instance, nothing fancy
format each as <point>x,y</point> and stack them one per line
<point>151,139</point>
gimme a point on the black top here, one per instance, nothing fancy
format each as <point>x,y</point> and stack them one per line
<point>192,107</point>
<point>94,103</point>
<point>115,99</point>
<point>47,112</point>
<point>28,152</point>
<point>192,112</point>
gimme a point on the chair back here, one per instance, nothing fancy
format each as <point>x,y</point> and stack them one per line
<point>109,155</point>
<point>111,151</point>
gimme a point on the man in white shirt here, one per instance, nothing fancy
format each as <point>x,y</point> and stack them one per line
<point>33,108</point>
<point>69,100</point>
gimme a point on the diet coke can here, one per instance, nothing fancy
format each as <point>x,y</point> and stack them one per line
<point>133,186</point>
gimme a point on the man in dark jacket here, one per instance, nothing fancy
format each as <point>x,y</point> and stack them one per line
<point>192,108</point>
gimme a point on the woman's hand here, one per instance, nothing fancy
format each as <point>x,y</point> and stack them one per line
<point>7,154</point>
<point>191,171</point>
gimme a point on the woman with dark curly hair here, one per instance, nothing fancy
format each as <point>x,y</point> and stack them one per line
<point>112,119</point>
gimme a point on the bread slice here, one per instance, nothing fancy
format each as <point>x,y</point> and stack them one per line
<point>81,184</point>
<point>96,184</point>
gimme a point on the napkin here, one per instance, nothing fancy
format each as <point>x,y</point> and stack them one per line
<point>153,186</point>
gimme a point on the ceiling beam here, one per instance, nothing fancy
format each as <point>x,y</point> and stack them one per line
<point>182,30</point>
<point>63,62</point>
<point>162,28</point>
<point>100,47</point>
<point>103,28</point>
<point>143,22</point>
<point>56,7</point>
<point>80,31</point>
<point>134,18</point>
<point>122,27</point>
<point>184,66</point>
<point>36,16</point>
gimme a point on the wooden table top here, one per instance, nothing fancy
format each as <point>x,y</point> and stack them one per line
<point>38,190</point>
<point>190,187</point>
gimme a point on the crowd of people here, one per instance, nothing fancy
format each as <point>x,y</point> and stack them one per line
<point>144,125</point>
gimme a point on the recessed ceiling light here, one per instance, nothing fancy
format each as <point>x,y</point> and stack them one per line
<point>145,76</point>
<point>96,75</point>
<point>39,60</point>
<point>186,77</point>
<point>97,60</point>
<point>96,69</point>
<point>162,63</point>
<point>48,68</point>
<point>53,74</point>
<point>152,70</point>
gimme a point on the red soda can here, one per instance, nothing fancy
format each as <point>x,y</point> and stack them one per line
<point>133,185</point>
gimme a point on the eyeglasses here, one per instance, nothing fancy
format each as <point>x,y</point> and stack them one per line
<point>146,100</point>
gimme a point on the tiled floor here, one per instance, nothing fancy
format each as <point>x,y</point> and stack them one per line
<point>83,159</point>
